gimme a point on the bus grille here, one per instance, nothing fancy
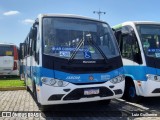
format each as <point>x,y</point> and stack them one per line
<point>79,93</point>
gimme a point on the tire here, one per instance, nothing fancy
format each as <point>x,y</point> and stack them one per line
<point>131,95</point>
<point>34,91</point>
<point>41,107</point>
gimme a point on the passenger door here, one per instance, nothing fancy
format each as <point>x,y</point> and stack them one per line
<point>130,50</point>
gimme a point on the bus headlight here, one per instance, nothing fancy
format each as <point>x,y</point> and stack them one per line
<point>45,81</point>
<point>117,79</point>
<point>60,83</point>
<point>54,82</point>
<point>153,77</point>
<point>114,80</point>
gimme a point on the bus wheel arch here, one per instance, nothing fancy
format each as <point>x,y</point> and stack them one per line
<point>130,91</point>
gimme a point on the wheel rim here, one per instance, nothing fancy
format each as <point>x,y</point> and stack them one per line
<point>132,92</point>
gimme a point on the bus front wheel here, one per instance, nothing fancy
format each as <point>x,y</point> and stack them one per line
<point>34,91</point>
<point>131,94</point>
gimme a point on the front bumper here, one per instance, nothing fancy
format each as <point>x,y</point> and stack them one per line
<point>10,72</point>
<point>72,93</point>
<point>149,88</point>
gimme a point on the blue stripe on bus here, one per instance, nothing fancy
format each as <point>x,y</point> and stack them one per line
<point>84,78</point>
<point>139,72</point>
<point>38,72</point>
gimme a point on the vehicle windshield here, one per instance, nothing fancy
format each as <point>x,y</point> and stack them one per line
<point>6,50</point>
<point>150,38</point>
<point>63,37</point>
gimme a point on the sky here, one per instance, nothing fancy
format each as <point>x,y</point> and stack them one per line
<point>17,16</point>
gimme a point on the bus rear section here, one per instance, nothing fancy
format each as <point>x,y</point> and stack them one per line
<point>74,59</point>
<point>9,60</point>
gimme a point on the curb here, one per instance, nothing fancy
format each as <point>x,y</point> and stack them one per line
<point>12,88</point>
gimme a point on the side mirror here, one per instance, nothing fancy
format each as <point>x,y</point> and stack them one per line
<point>34,33</point>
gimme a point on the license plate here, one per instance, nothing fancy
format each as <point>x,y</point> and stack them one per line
<point>91,91</point>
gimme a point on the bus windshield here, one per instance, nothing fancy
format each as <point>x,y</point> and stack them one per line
<point>63,37</point>
<point>150,38</point>
<point>6,50</point>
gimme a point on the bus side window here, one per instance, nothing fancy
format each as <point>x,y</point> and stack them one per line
<point>30,47</point>
<point>28,44</point>
<point>25,51</point>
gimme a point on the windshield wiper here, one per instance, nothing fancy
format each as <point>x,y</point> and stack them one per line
<point>90,39</point>
<point>76,50</point>
<point>93,43</point>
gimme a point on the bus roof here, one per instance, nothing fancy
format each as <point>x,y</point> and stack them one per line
<point>117,26</point>
<point>8,44</point>
<point>135,23</point>
<point>68,16</point>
